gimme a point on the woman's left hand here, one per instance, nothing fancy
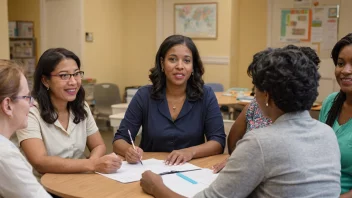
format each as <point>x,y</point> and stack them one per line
<point>150,181</point>
<point>177,157</point>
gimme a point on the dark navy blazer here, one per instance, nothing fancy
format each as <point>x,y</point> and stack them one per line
<point>198,118</point>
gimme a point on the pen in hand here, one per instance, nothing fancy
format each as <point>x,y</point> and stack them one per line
<point>129,133</point>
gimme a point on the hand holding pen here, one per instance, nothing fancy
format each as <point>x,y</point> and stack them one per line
<point>133,154</point>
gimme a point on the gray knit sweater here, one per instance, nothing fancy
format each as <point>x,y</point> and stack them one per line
<point>297,156</point>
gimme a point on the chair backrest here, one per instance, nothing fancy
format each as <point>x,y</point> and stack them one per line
<point>217,87</point>
<point>105,95</point>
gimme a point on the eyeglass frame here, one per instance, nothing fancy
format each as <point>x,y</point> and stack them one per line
<point>81,74</point>
<point>30,101</point>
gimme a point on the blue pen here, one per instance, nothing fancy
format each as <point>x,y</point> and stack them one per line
<point>186,178</point>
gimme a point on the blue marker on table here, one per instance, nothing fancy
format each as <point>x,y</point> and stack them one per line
<point>186,178</point>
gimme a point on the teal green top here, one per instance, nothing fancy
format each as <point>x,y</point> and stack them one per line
<point>344,138</point>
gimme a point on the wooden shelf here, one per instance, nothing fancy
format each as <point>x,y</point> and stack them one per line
<point>22,38</point>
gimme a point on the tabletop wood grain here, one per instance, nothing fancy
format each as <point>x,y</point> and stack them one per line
<point>94,185</point>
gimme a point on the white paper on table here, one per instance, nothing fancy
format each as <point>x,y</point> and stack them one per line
<point>244,100</point>
<point>203,177</point>
<point>133,172</point>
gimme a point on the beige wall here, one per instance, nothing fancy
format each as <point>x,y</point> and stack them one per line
<point>103,57</point>
<point>26,10</point>
<point>124,41</point>
<point>4,32</point>
<point>234,42</point>
<point>139,41</point>
<point>219,48</point>
<point>252,37</point>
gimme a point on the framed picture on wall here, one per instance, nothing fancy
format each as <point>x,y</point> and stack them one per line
<point>196,20</point>
<point>333,12</point>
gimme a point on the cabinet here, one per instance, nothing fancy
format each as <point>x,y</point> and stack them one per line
<point>23,47</point>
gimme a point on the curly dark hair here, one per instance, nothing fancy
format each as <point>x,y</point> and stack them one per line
<point>309,52</point>
<point>46,64</point>
<point>195,83</point>
<point>340,98</point>
<point>256,57</point>
<point>290,78</point>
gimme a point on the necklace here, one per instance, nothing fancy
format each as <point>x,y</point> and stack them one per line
<point>176,102</point>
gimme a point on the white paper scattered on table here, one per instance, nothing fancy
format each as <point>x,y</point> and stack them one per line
<point>133,172</point>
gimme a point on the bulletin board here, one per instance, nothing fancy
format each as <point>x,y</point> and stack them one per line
<point>304,23</point>
<point>295,25</point>
<point>315,27</point>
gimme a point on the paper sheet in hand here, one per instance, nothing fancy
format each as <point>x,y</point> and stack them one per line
<point>133,172</point>
<point>181,186</point>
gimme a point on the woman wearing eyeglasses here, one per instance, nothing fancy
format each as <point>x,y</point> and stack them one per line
<point>17,179</point>
<point>61,125</point>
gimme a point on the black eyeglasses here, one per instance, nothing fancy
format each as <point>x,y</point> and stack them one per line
<point>29,98</point>
<point>78,75</point>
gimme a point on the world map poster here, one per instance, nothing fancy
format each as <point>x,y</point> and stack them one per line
<point>196,20</point>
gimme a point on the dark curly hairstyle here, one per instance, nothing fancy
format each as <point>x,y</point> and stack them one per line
<point>46,64</point>
<point>256,57</point>
<point>195,83</point>
<point>290,78</point>
<point>340,98</point>
<point>309,52</point>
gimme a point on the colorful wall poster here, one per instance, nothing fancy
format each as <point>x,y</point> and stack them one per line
<point>295,25</point>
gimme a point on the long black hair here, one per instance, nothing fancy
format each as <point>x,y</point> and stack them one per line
<point>46,64</point>
<point>340,98</point>
<point>195,83</point>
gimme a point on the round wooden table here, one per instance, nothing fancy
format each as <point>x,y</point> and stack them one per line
<point>95,185</point>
